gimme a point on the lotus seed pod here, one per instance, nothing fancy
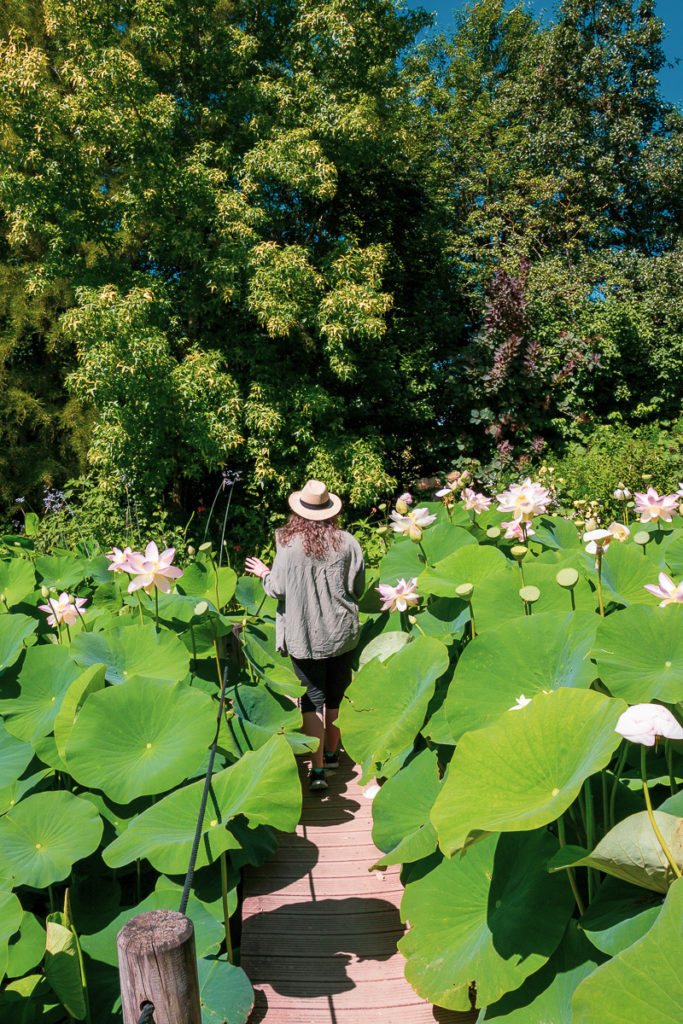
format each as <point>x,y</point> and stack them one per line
<point>415,533</point>
<point>641,537</point>
<point>619,494</point>
<point>567,578</point>
<point>44,591</point>
<point>465,591</point>
<point>401,507</point>
<point>519,552</point>
<point>382,507</point>
<point>530,594</point>
<point>206,546</point>
<point>191,551</point>
<point>493,532</point>
<point>201,607</point>
<point>591,524</point>
<point>382,530</point>
<point>579,524</point>
<point>646,477</point>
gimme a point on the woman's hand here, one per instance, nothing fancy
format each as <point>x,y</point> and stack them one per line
<point>256,566</point>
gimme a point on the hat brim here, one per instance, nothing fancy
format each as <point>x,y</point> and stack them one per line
<point>317,514</point>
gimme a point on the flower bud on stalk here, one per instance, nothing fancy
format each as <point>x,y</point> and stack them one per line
<point>401,507</point>
<point>191,551</point>
<point>415,533</point>
<point>44,591</point>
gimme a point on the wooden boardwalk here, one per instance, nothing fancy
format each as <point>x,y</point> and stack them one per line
<point>320,931</point>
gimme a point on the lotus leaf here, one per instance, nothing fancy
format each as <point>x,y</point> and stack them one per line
<point>644,983</point>
<point>263,785</point>
<point>45,834</point>
<point>17,581</point>
<point>10,915</point>
<point>12,794</point>
<point>140,738</point>
<point>386,703</point>
<point>527,655</point>
<point>88,682</point>
<point>546,996</point>
<point>26,949</point>
<point>259,649</point>
<point>400,812</point>
<point>383,646</point>
<point>46,674</point>
<point>496,599</point>
<point>61,571</point>
<point>470,564</point>
<point>258,713</point>
<point>225,992</point>
<point>556,533</point>
<point>133,651</point>
<point>249,592</point>
<point>15,756</point>
<point>492,916</point>
<point>526,768</point>
<point>201,580</point>
<point>640,654</point>
<point>14,629</point>
<point>403,560</point>
<point>444,538</point>
<point>62,968</point>
<point>446,618</point>
<point>625,571</point>
<point>619,915</point>
<point>631,851</point>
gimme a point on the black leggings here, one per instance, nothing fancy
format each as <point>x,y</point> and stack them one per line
<point>325,680</point>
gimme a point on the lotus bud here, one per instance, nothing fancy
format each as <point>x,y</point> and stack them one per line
<point>464,475</point>
<point>191,551</point>
<point>619,494</point>
<point>415,533</point>
<point>519,552</point>
<point>465,591</point>
<point>591,524</point>
<point>412,620</point>
<point>529,594</point>
<point>206,546</point>
<point>627,493</point>
<point>493,532</point>
<point>382,530</point>
<point>401,507</point>
<point>200,608</point>
<point>642,537</point>
<point>44,591</point>
<point>567,578</point>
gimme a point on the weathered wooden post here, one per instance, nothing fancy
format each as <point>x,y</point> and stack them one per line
<point>158,965</point>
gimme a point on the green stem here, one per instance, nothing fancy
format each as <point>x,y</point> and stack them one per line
<point>615,785</point>
<point>570,871</point>
<point>80,615</point>
<point>68,631</point>
<point>590,836</point>
<point>648,803</point>
<point>472,621</point>
<point>156,608</point>
<point>226,915</point>
<point>424,553</point>
<point>194,655</point>
<point>137,594</point>
<point>668,752</point>
<point>599,568</point>
<point>605,815</point>
<point>138,881</point>
<point>521,573</point>
<point>51,896</point>
<point>84,980</point>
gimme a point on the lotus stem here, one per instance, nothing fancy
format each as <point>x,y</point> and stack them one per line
<point>213,505</point>
<point>605,817</point>
<point>598,565</point>
<point>570,871</point>
<point>615,785</point>
<point>80,615</point>
<point>68,631</point>
<point>648,803</point>
<point>424,553</point>
<point>194,654</point>
<point>226,915</point>
<point>590,836</point>
<point>668,752</point>
<point>156,608</point>
<point>225,519</point>
<point>137,594</point>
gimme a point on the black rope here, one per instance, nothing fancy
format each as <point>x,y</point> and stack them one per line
<point>147,1015</point>
<point>202,807</point>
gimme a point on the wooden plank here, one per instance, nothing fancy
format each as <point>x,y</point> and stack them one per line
<point>382,994</point>
<point>371,883</point>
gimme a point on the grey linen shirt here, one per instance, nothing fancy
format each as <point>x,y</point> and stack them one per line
<point>317,612</point>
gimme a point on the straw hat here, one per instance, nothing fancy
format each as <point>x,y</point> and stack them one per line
<point>314,501</point>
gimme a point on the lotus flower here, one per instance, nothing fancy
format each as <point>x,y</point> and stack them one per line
<point>119,559</point>
<point>66,610</point>
<point>514,531</point>
<point>475,502</point>
<point>643,723</point>
<point>407,497</point>
<point>619,531</point>
<point>522,702</point>
<point>419,517</point>
<point>598,541</point>
<point>653,506</point>
<point>152,569</point>
<point>667,590</point>
<point>400,597</point>
<point>524,500</point>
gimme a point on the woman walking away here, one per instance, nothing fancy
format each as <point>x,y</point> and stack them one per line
<point>317,577</point>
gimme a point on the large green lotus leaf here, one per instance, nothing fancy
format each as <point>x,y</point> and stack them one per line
<point>470,564</point>
<point>14,629</point>
<point>386,703</point>
<point>259,649</point>
<point>62,968</point>
<point>401,829</point>
<point>382,647</point>
<point>88,682</point>
<point>644,983</point>
<point>619,915</point>
<point>403,560</point>
<point>496,599</point>
<point>17,581</point>
<point>250,595</point>
<point>12,794</point>
<point>257,713</point>
<point>62,571</point>
<point>30,1000</point>
<point>26,949</point>
<point>140,738</point>
<point>639,652</point>
<point>46,674</point>
<point>201,580</point>
<point>525,656</point>
<point>556,533</point>
<point>45,834</point>
<point>625,571</point>
<point>15,756</point>
<point>134,650</point>
<point>208,930</point>
<point>632,852</point>
<point>445,618</point>
<point>10,915</point>
<point>674,556</point>
<point>444,539</point>
<point>263,785</point>
<point>546,996</point>
<point>225,992</point>
<point>525,769</point>
<point>489,918</point>
<point>213,906</point>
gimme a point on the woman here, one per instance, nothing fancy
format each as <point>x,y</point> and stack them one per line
<point>317,577</point>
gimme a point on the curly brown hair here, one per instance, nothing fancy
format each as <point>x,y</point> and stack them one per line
<point>317,537</point>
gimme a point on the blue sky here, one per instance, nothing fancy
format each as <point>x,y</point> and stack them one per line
<point>671,11</point>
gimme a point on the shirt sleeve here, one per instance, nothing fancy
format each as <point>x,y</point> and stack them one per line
<point>357,574</point>
<point>274,583</point>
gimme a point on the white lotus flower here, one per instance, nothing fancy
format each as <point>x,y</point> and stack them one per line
<point>522,702</point>
<point>619,531</point>
<point>644,723</point>
<point>474,502</point>
<point>524,500</point>
<point>419,517</point>
<point>598,541</point>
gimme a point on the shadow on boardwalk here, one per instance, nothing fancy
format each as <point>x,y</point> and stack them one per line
<point>320,930</point>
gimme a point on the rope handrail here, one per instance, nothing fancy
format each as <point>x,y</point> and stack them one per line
<point>147,1015</point>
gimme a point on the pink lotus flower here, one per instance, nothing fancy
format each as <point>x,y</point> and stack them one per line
<point>475,502</point>
<point>152,569</point>
<point>653,506</point>
<point>524,500</point>
<point>407,497</point>
<point>400,597</point>
<point>667,590</point>
<point>514,531</point>
<point>419,517</point>
<point>644,723</point>
<point>119,559</point>
<point>66,610</point>
<point>619,531</point>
